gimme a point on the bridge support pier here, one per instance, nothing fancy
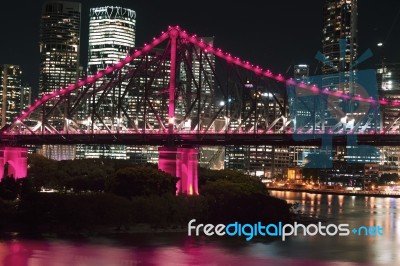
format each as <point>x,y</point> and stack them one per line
<point>182,163</point>
<point>13,162</point>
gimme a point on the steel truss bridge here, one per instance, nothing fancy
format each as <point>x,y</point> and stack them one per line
<point>180,88</point>
<point>180,91</point>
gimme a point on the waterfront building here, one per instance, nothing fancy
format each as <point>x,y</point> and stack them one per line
<point>59,49</point>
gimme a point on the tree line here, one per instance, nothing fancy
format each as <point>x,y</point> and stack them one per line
<point>94,194</point>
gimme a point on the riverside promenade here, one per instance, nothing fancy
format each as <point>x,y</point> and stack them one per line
<point>365,193</point>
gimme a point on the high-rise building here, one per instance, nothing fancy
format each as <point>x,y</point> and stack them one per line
<point>112,33</point>
<point>339,49</point>
<point>111,36</point>
<point>59,44</point>
<point>339,40</point>
<point>388,75</point>
<point>301,108</point>
<point>301,72</point>
<point>263,161</point>
<point>10,93</point>
<point>57,152</point>
<point>301,102</point>
<point>26,96</point>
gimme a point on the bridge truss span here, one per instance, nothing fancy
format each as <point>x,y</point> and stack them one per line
<point>180,92</point>
<point>181,87</point>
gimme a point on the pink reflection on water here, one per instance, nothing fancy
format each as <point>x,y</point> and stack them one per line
<point>38,253</point>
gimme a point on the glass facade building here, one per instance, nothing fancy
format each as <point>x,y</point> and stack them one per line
<point>59,44</point>
<point>339,41</point>
<point>112,33</point>
<point>263,161</point>
<point>59,48</point>
<point>388,75</point>
<point>111,36</point>
<point>301,109</point>
<point>339,73</point>
<point>11,92</point>
<point>339,49</point>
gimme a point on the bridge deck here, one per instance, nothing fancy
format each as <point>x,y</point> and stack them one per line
<point>206,139</point>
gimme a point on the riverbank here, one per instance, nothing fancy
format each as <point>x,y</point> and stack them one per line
<point>340,192</point>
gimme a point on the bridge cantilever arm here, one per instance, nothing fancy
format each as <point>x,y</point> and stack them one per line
<point>92,79</point>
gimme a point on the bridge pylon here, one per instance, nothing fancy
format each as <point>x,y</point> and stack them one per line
<point>13,162</point>
<point>181,162</point>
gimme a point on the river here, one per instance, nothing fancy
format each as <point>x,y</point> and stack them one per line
<point>179,249</point>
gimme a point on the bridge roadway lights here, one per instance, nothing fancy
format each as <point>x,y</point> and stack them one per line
<point>182,163</point>
<point>13,162</point>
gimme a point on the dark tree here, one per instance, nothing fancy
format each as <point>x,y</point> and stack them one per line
<point>143,181</point>
<point>234,196</point>
<point>41,170</point>
<point>8,188</point>
<point>249,183</point>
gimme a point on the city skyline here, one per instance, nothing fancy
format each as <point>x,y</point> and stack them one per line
<point>233,32</point>
<point>161,126</point>
<point>103,45</point>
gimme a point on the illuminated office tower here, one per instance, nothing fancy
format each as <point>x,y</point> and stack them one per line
<point>269,161</point>
<point>389,88</point>
<point>263,161</point>
<point>339,40</point>
<point>10,92</point>
<point>388,75</point>
<point>59,44</point>
<point>339,48</point>
<point>14,96</point>
<point>59,47</point>
<point>26,96</point>
<point>301,72</point>
<point>301,104</point>
<point>111,38</point>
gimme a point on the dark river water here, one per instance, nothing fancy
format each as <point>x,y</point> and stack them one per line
<point>179,249</point>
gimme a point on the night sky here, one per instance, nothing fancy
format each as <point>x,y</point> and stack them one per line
<point>275,35</point>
